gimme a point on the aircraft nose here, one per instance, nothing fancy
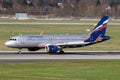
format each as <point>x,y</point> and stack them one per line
<point>7,43</point>
<point>10,44</point>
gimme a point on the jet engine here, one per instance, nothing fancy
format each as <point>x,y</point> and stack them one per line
<point>33,49</point>
<point>51,49</point>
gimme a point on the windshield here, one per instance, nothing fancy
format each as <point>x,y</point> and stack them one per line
<point>12,39</point>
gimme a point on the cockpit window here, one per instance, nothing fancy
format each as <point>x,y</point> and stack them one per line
<point>13,39</point>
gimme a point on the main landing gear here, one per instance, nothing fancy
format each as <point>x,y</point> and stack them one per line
<point>61,52</point>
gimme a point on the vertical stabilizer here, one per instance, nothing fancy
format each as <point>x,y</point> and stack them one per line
<point>99,31</point>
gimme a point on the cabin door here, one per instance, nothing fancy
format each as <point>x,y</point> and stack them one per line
<point>21,39</point>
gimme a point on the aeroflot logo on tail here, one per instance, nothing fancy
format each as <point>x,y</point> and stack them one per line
<point>102,26</point>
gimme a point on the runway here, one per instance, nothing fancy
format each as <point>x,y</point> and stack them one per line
<point>14,57</point>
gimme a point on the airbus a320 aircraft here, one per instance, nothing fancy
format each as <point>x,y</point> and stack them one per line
<point>56,43</point>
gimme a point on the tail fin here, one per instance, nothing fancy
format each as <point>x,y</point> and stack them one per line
<point>99,31</point>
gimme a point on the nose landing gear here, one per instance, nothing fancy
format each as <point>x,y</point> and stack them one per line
<point>20,51</point>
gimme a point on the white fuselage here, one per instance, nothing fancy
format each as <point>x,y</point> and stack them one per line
<point>25,41</point>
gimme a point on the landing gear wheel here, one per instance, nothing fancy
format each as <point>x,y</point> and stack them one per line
<point>61,52</point>
<point>20,52</point>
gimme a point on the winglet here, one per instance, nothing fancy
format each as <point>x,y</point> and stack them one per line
<point>42,33</point>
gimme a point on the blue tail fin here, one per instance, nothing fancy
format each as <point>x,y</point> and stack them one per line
<point>99,31</point>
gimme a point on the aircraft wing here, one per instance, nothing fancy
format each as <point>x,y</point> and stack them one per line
<point>72,44</point>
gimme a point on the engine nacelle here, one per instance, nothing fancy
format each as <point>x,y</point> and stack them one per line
<point>51,49</point>
<point>33,49</point>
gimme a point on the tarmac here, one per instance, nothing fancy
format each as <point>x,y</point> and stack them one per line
<point>14,57</point>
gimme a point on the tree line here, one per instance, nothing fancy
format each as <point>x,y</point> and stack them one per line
<point>62,8</point>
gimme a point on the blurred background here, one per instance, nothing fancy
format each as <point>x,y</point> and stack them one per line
<point>76,9</point>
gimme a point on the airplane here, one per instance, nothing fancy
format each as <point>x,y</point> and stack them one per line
<point>57,42</point>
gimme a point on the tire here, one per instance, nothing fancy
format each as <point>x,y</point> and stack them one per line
<point>61,52</point>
